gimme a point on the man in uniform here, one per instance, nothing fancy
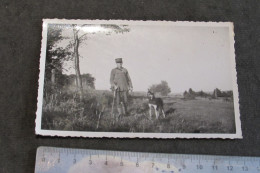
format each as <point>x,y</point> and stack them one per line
<point>121,84</point>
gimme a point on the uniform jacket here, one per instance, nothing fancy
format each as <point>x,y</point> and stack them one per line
<point>121,79</point>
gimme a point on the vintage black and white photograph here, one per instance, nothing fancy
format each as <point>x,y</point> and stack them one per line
<point>145,79</point>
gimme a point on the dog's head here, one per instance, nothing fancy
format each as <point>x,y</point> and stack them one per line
<point>150,94</point>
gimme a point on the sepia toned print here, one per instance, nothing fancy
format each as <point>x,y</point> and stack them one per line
<point>151,79</point>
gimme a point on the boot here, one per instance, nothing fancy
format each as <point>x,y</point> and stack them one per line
<point>119,113</point>
<point>119,110</point>
<point>124,107</point>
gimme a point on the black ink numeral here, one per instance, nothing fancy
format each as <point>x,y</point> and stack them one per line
<point>215,167</point>
<point>230,168</point>
<point>245,168</point>
<point>137,164</point>
<point>199,167</point>
<point>90,162</point>
<point>121,164</point>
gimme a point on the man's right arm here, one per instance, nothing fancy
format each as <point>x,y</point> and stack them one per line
<point>112,77</point>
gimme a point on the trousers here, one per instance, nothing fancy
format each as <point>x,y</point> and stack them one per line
<point>121,101</point>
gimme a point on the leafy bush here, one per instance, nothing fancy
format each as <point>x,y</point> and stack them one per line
<point>161,88</point>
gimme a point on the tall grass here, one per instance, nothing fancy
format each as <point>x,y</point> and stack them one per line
<point>64,111</point>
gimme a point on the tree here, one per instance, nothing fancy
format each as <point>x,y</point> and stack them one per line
<point>191,92</point>
<point>80,33</point>
<point>185,94</point>
<point>88,80</point>
<point>55,56</point>
<point>217,93</point>
<point>76,57</point>
<point>161,88</point>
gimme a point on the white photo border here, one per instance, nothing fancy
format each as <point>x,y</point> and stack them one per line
<point>38,121</point>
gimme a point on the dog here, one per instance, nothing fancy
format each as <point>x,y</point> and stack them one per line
<point>156,103</point>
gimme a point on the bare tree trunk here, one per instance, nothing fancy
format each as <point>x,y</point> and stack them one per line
<point>53,76</point>
<point>76,62</point>
<point>53,80</point>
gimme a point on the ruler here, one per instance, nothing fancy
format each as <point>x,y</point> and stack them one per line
<point>61,160</point>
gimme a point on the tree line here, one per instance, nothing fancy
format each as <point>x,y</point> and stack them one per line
<point>215,94</point>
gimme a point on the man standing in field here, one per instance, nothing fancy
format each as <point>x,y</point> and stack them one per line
<point>121,84</point>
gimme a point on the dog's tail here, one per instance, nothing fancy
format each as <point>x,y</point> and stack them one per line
<point>163,113</point>
<point>169,111</point>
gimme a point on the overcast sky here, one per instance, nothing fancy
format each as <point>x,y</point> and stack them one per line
<point>195,57</point>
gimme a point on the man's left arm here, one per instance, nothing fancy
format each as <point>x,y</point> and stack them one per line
<point>129,81</point>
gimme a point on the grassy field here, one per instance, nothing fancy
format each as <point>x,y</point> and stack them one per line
<point>199,115</point>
